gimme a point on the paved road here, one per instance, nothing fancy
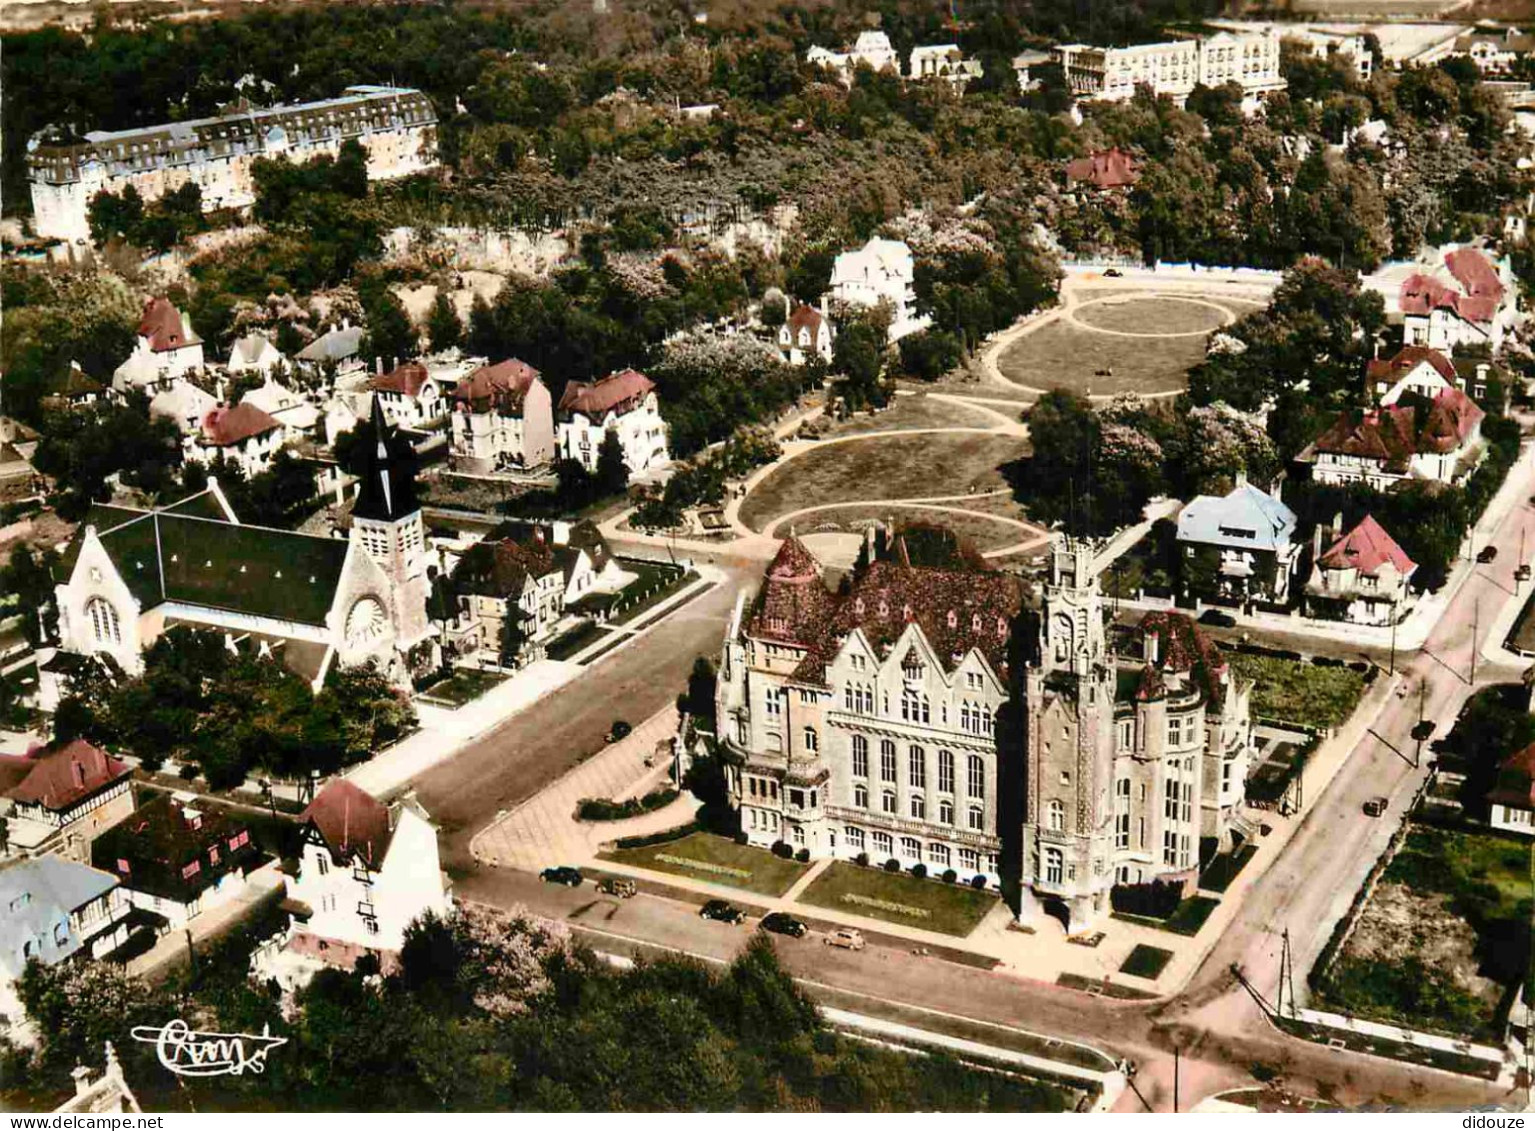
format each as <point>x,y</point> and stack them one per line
<point>527,752</point>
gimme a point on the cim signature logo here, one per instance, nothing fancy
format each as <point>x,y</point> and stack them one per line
<point>186,1052</point>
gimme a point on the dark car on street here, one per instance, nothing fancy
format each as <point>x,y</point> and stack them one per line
<point>570,877</point>
<point>782,923</point>
<point>1217,618</point>
<point>1487,554</point>
<point>722,912</point>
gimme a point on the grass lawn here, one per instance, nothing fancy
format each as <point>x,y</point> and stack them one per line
<point>1444,936</point>
<point>717,860</point>
<point>463,686</point>
<point>895,467</point>
<point>982,532</point>
<point>567,644</point>
<point>1063,356</point>
<point>1294,691</point>
<point>914,412</point>
<point>951,909</point>
<point>1221,871</point>
<point>1186,920</point>
<point>1146,961</point>
<point>657,583</point>
<point>1151,315</point>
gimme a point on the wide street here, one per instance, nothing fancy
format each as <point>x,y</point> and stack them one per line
<point>1219,1030</point>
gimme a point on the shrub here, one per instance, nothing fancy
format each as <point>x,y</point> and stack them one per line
<point>602,809</point>
<point>658,838</point>
<point>862,860</point>
<point>919,870</point>
<point>950,875</point>
<point>188,771</point>
<point>742,838</point>
<point>892,865</point>
<point>782,850</point>
<point>1156,900</point>
<point>978,883</point>
<point>803,856</point>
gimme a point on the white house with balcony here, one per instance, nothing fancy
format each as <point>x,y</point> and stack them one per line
<point>623,403</point>
<point>1251,533</point>
<point>882,271</point>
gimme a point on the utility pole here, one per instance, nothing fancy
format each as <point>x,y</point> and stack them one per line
<point>1417,757</point>
<point>1393,642</point>
<point>1175,1079</point>
<point>1476,618</point>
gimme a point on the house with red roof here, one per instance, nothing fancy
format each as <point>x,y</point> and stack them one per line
<point>503,420</point>
<point>367,871</point>
<point>1415,437</point>
<point>1419,370</point>
<point>1105,170</point>
<point>1512,799</point>
<point>1360,575</point>
<point>59,800</point>
<point>410,395</point>
<point>166,347</point>
<point>1449,298</point>
<point>242,434</point>
<point>624,403</point>
<point>806,333</point>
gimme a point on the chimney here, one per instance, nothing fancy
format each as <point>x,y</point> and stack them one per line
<point>1242,478</point>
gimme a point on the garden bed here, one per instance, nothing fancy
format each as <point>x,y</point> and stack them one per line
<point>894,897</point>
<point>716,860</point>
<point>1219,874</point>
<point>1146,962</point>
<point>568,643</point>
<point>1186,920</point>
<point>1295,692</point>
<point>464,686</point>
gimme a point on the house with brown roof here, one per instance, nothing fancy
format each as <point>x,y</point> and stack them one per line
<point>1104,170</point>
<point>59,800</point>
<point>806,333</point>
<point>1361,576</point>
<point>1418,370</point>
<point>411,396</point>
<point>1413,438</point>
<point>497,576</point>
<point>1512,800</point>
<point>165,348</point>
<point>177,860</point>
<point>242,434</point>
<point>503,420</point>
<point>367,871</point>
<point>624,403</point>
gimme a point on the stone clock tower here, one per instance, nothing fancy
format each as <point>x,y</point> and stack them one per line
<point>1069,739</point>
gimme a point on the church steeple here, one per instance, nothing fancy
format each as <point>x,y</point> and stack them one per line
<point>387,491</point>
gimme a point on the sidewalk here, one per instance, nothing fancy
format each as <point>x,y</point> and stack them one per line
<point>443,732</point>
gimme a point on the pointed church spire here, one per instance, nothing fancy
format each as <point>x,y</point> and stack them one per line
<point>388,488</point>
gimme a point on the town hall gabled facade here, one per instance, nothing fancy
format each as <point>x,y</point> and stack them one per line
<point>310,601</point>
<point>924,714</point>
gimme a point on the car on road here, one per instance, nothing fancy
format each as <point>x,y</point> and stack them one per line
<point>1487,554</point>
<point>611,885</point>
<point>846,938</point>
<point>1424,729</point>
<point>1375,807</point>
<point>782,923</point>
<point>1217,618</point>
<point>621,730</point>
<point>1522,573</point>
<point>1113,273</point>
<point>722,912</point>
<point>570,877</point>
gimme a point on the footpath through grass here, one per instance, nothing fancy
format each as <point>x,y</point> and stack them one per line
<point>715,859</point>
<point>894,897</point>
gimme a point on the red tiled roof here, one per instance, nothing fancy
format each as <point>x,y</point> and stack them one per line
<point>1105,169</point>
<point>957,610</point>
<point>223,427</point>
<point>1407,359</point>
<point>802,316</point>
<point>162,324</point>
<point>406,379</point>
<point>1385,435</point>
<point>1474,273</point>
<point>1477,300</point>
<point>502,385</point>
<point>1182,647</point>
<point>616,392</point>
<point>1451,420</point>
<point>351,821</point>
<point>58,779</point>
<point>1516,780</point>
<point>501,568</point>
<point>1366,548</point>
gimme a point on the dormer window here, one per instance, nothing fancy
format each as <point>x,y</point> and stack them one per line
<point>858,606</point>
<point>1001,626</point>
<point>975,623</point>
<point>906,612</point>
<point>953,619</point>
<point>884,609</point>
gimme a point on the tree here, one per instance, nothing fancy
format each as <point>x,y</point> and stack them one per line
<point>612,471</point>
<point>390,337</point>
<point>514,632</point>
<point>29,577</point>
<point>858,355</point>
<point>929,354</point>
<point>444,328</point>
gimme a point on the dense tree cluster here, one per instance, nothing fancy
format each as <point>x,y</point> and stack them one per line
<point>230,714</point>
<point>497,1011</point>
<point>158,226</point>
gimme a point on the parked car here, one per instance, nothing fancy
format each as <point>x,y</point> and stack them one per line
<point>611,885</point>
<point>782,923</point>
<point>1522,573</point>
<point>722,912</point>
<point>1217,618</point>
<point>846,938</point>
<point>1487,554</point>
<point>620,730</point>
<point>1375,807</point>
<point>1113,273</point>
<point>564,874</point>
<point>1423,729</point>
